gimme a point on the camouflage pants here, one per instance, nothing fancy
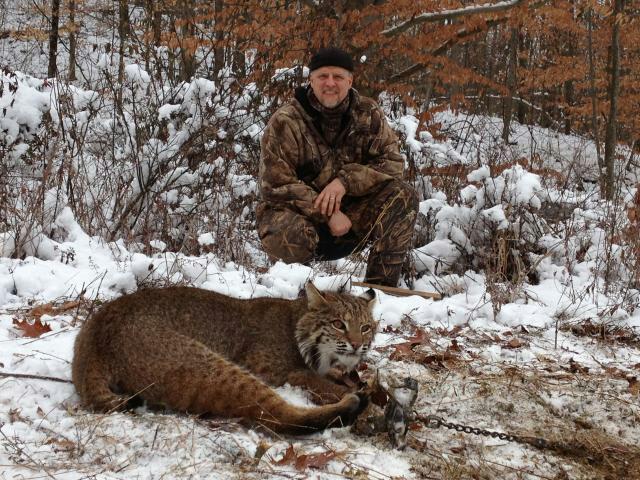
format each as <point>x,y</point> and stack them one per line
<point>383,219</point>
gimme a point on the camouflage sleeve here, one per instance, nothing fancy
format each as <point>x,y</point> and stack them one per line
<point>279,184</point>
<point>384,161</point>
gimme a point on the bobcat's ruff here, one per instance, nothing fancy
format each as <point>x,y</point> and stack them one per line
<point>198,351</point>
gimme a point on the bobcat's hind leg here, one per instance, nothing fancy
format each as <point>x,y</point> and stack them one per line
<point>205,382</point>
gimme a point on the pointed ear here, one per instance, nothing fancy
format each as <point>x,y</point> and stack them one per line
<point>370,295</point>
<point>314,297</point>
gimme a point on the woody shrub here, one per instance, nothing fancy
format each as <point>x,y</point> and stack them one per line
<point>172,167</point>
<point>492,226</point>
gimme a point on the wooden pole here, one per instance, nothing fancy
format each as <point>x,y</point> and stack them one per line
<point>399,292</point>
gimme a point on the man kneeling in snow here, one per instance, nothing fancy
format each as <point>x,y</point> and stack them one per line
<point>331,176</point>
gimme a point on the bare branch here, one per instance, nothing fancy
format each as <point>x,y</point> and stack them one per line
<point>33,377</point>
<point>461,34</point>
<point>407,72</point>
<point>398,292</point>
<point>450,14</point>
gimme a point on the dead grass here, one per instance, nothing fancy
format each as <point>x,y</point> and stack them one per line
<point>605,332</point>
<point>590,418</point>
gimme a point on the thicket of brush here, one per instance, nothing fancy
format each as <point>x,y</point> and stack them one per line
<point>142,152</point>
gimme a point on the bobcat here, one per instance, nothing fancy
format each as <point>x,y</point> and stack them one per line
<point>201,352</point>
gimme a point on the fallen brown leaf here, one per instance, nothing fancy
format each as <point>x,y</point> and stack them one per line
<point>405,349</point>
<point>402,351</point>
<point>419,337</point>
<point>14,415</point>
<point>450,333</point>
<point>302,462</point>
<point>437,361</point>
<point>634,385</point>
<point>33,330</point>
<point>515,343</point>
<point>289,456</point>
<point>575,367</point>
<point>454,346</point>
<point>65,446</point>
<point>314,460</point>
<point>61,445</point>
<point>51,309</point>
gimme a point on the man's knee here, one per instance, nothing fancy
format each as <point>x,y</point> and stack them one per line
<point>287,235</point>
<point>399,203</point>
<point>405,194</point>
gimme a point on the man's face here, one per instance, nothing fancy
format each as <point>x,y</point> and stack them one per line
<point>331,85</point>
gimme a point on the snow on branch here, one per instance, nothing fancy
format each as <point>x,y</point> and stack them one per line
<point>450,14</point>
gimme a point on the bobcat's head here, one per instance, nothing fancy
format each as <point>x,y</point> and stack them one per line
<point>337,331</point>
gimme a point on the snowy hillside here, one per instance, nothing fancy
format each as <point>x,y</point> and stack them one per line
<point>537,333</point>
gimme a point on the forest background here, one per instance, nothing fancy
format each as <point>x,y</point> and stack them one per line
<point>129,151</point>
<point>568,65</point>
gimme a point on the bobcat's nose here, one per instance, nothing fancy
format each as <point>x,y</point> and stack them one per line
<point>356,345</point>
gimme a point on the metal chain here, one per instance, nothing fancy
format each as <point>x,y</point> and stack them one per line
<point>433,421</point>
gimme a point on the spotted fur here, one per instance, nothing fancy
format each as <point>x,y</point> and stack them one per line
<point>198,351</point>
<point>337,331</point>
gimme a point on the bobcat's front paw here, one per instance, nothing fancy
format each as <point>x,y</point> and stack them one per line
<point>334,374</point>
<point>363,396</point>
<point>348,408</point>
<point>350,379</point>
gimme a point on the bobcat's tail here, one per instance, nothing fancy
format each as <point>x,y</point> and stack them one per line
<point>215,385</point>
<point>281,416</point>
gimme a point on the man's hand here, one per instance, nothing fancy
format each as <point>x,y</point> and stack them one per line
<point>339,224</point>
<point>330,197</point>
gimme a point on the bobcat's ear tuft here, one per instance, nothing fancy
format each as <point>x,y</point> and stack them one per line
<point>370,295</point>
<point>314,296</point>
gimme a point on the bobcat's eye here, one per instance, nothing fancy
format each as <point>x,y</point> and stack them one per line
<point>365,328</point>
<point>338,325</point>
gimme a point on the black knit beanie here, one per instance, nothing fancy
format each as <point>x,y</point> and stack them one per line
<point>331,57</point>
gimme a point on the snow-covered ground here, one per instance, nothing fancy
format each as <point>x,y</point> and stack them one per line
<point>522,371</point>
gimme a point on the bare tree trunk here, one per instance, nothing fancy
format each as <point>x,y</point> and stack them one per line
<point>149,9</point>
<point>218,52</point>
<point>568,87</point>
<point>188,47</point>
<point>73,41</point>
<point>594,98</point>
<point>53,39</point>
<point>611,137</point>
<point>511,85</point>
<point>154,25</point>
<point>123,30</point>
<point>239,59</point>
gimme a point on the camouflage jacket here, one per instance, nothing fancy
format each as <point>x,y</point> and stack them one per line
<point>296,161</point>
